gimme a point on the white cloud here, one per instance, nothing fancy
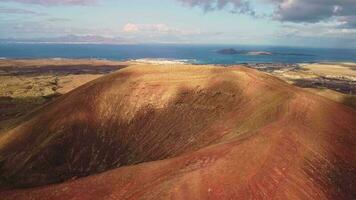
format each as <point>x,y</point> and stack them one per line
<point>131,28</point>
<point>158,29</point>
<point>55,2</point>
<point>235,6</point>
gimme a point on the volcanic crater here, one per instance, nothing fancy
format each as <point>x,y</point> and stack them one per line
<point>181,132</point>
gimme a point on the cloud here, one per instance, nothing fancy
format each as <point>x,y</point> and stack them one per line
<point>163,33</point>
<point>320,34</point>
<point>329,30</point>
<point>161,28</point>
<point>296,11</point>
<point>32,28</point>
<point>235,6</point>
<point>58,19</point>
<point>158,29</point>
<point>348,22</point>
<point>55,2</point>
<point>20,11</point>
<point>312,11</point>
<point>131,28</point>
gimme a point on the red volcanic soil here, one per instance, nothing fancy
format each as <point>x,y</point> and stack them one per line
<point>184,132</point>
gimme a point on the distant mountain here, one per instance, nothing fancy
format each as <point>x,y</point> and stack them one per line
<point>86,39</point>
<point>228,51</point>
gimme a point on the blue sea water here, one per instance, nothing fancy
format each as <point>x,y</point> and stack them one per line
<point>200,54</point>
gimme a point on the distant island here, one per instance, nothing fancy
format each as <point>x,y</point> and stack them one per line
<point>228,51</point>
<point>231,51</point>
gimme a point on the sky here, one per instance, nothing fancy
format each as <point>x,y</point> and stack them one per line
<point>315,23</point>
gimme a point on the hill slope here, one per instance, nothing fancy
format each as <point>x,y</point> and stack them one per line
<point>199,132</point>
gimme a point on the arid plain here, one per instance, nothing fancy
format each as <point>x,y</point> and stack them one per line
<point>90,129</point>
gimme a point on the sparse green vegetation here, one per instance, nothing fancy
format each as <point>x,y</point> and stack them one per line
<point>24,87</point>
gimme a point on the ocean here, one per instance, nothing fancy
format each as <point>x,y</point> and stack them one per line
<point>198,54</point>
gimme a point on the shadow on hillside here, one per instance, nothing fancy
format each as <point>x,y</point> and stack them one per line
<point>59,70</point>
<point>342,86</point>
<point>350,100</point>
<point>13,110</point>
<point>351,66</point>
<point>87,141</point>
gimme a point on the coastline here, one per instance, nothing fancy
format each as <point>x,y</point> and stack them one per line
<point>193,53</point>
